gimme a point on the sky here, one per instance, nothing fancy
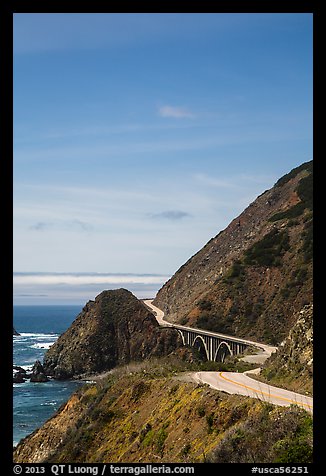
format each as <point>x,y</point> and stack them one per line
<point>139,137</point>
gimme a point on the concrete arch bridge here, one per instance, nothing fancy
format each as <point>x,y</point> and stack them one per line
<point>216,347</point>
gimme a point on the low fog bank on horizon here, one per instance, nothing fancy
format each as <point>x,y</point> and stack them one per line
<point>78,288</point>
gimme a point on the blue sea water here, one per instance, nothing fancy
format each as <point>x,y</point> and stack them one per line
<point>34,403</point>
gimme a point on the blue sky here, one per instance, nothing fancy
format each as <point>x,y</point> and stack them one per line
<point>138,137</point>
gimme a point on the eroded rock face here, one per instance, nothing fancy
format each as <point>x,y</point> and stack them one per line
<point>15,333</point>
<point>251,279</point>
<point>38,373</point>
<point>19,377</point>
<point>114,329</point>
<point>293,361</point>
<point>19,374</point>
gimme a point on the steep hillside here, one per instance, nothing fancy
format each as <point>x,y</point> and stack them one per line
<point>144,416</point>
<point>114,329</point>
<point>292,364</point>
<point>253,276</point>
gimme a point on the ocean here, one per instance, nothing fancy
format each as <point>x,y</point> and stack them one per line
<point>34,403</point>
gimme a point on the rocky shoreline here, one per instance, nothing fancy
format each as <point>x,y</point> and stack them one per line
<point>36,374</point>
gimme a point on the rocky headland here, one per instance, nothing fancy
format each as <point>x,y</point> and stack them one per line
<point>113,330</point>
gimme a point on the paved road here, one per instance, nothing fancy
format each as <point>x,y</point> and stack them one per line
<point>241,383</point>
<point>157,312</point>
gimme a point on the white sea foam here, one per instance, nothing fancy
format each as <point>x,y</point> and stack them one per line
<point>53,337</point>
<point>42,345</point>
<point>38,335</point>
<point>48,404</point>
<point>25,367</point>
<point>34,404</point>
<point>28,368</point>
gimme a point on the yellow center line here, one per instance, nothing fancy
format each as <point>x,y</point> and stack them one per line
<point>261,391</point>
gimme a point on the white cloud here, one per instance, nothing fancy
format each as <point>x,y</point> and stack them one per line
<point>175,112</point>
<point>152,227</point>
<point>171,215</point>
<point>85,278</point>
<point>236,182</point>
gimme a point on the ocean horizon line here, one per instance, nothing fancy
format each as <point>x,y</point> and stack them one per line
<point>44,288</point>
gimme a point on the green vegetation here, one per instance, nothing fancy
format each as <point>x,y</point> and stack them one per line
<point>172,421</point>
<point>236,273</point>
<point>204,305</point>
<point>138,390</point>
<point>305,166</point>
<point>201,411</point>
<point>164,367</point>
<point>269,434</point>
<point>271,336</point>
<point>296,376</point>
<point>269,250</point>
<point>210,422</point>
<point>214,321</point>
<point>154,439</point>
<point>296,281</point>
<point>266,252</point>
<point>291,213</point>
<point>160,440</point>
<point>307,238</point>
<point>292,366</point>
<point>186,449</point>
<point>305,193</point>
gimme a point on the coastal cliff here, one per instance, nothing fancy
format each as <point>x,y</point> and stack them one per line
<point>113,330</point>
<point>292,365</point>
<point>251,279</point>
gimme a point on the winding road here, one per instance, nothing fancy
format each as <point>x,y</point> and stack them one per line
<point>241,383</point>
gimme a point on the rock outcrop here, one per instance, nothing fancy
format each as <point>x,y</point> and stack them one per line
<point>38,373</point>
<point>251,279</point>
<point>292,364</point>
<point>15,333</point>
<point>114,329</point>
<point>19,375</point>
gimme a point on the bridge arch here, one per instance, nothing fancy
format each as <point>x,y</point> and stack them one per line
<point>201,346</point>
<point>222,351</point>
<point>182,336</point>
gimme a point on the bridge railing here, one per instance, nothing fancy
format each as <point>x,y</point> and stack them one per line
<point>218,335</point>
